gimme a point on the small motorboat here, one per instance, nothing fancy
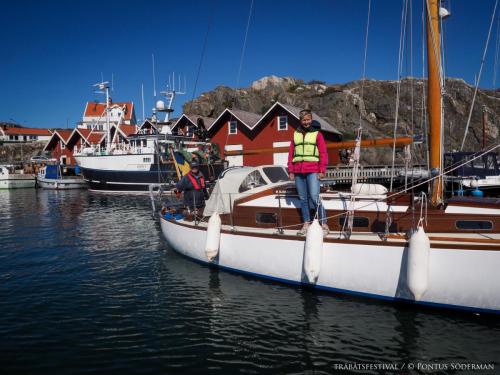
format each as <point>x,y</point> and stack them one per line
<point>56,177</point>
<point>12,178</point>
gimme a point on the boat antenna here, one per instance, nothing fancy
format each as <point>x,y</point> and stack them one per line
<point>142,98</point>
<point>154,75</point>
<point>170,95</point>
<point>479,76</point>
<point>103,88</point>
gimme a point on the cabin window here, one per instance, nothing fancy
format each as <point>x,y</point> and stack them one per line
<point>282,122</point>
<point>478,163</point>
<point>275,174</point>
<point>358,222</point>
<point>146,160</point>
<point>490,162</point>
<point>233,127</point>
<point>251,181</point>
<point>144,143</point>
<point>266,218</point>
<point>474,224</point>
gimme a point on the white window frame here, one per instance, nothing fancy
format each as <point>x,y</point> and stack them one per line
<point>235,127</point>
<point>63,146</point>
<point>286,123</point>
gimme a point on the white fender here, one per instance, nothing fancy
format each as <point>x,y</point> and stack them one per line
<point>369,189</point>
<point>313,251</point>
<point>213,236</point>
<point>418,263</point>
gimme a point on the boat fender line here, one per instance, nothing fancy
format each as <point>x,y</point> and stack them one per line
<point>212,242</point>
<point>418,263</point>
<point>313,251</point>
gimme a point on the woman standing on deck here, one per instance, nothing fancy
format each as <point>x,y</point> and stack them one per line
<point>307,161</point>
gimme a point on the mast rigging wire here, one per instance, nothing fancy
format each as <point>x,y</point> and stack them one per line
<point>479,76</point>
<point>203,50</point>
<point>404,14</point>
<point>412,187</point>
<point>243,49</point>
<point>497,52</point>
<point>357,149</point>
<point>244,44</point>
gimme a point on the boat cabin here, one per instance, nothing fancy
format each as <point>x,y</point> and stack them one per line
<point>486,165</point>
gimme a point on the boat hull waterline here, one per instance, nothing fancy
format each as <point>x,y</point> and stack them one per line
<point>462,279</point>
<point>61,183</point>
<point>23,182</point>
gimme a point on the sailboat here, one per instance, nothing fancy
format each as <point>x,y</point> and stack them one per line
<point>385,245</point>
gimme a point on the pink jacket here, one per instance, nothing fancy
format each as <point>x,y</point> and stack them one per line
<point>309,166</point>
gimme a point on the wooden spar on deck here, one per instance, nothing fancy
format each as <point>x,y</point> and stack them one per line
<point>434,99</point>
<point>401,141</point>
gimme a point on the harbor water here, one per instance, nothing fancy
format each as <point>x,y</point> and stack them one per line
<point>88,285</point>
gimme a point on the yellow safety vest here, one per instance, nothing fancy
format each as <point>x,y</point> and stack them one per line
<point>305,147</point>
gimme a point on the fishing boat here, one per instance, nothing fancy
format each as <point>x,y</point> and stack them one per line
<point>146,158</point>
<point>388,245</point>
<point>12,178</point>
<point>52,177</point>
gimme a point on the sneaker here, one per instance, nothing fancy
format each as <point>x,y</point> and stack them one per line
<point>326,230</point>
<point>303,230</point>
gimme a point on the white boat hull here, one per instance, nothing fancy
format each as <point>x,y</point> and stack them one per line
<point>487,182</point>
<point>61,183</point>
<point>460,279</point>
<point>17,182</point>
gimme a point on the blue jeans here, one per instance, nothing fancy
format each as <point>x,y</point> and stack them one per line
<point>307,185</point>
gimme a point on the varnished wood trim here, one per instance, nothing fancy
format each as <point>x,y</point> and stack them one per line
<point>251,197</point>
<point>343,241</point>
<point>459,239</point>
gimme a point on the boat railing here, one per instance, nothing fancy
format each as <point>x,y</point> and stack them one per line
<point>116,149</point>
<point>344,173</point>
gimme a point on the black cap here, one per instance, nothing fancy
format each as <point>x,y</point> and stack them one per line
<point>194,164</point>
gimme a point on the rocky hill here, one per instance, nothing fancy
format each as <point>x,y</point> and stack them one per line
<point>342,105</point>
<point>20,152</point>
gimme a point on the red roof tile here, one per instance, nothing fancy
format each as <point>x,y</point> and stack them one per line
<point>64,134</point>
<point>95,138</point>
<point>90,136</point>
<point>27,131</point>
<point>127,129</point>
<point>93,109</point>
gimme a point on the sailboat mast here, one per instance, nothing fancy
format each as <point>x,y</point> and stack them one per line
<point>434,99</point>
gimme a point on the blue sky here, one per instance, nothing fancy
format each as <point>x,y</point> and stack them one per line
<point>53,51</point>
